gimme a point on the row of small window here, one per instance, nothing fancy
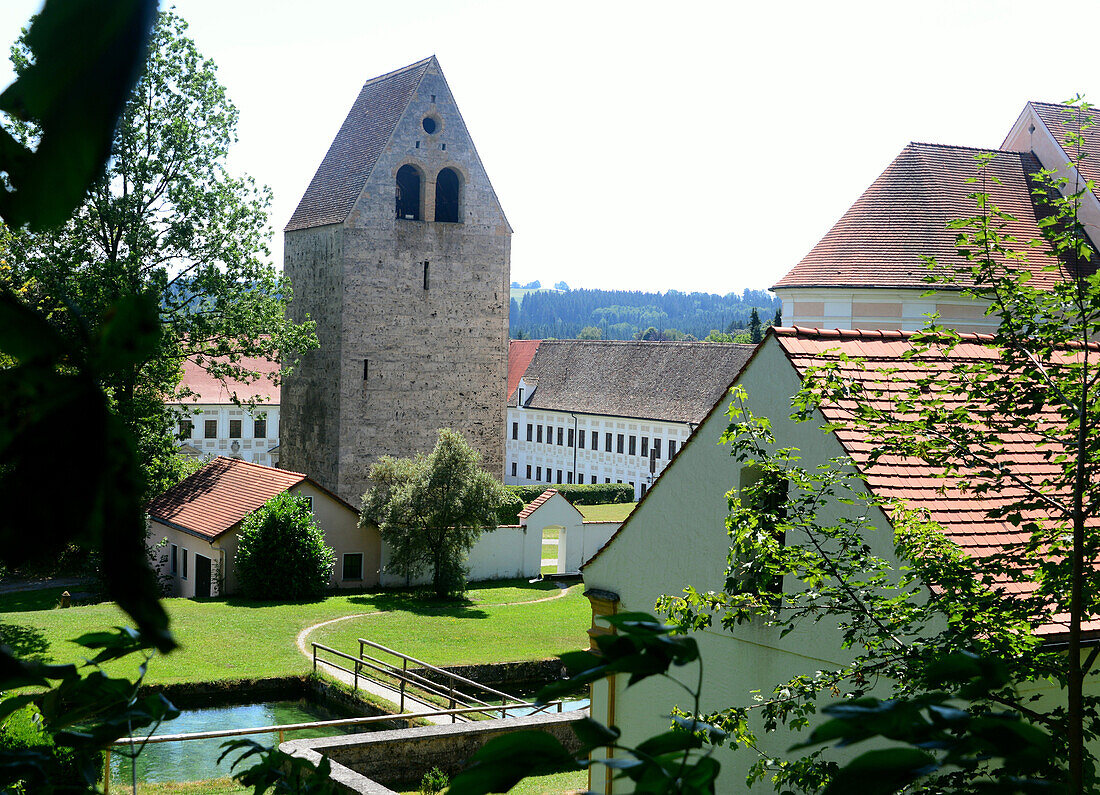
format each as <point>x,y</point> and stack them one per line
<point>622,442</point>
<point>352,569</point>
<point>568,476</point>
<point>210,429</point>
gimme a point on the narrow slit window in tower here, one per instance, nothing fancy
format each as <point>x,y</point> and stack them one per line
<point>408,193</point>
<point>447,189</point>
<point>366,368</point>
<point>426,263</point>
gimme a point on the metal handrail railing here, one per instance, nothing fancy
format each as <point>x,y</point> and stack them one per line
<point>130,742</point>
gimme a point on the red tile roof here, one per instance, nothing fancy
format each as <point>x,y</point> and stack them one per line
<point>520,354</point>
<point>536,503</point>
<point>222,493</point>
<point>208,389</point>
<point>962,513</point>
<point>904,214</point>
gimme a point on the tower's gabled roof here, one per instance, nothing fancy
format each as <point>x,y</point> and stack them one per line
<point>355,150</point>
<point>1063,119</point>
<point>903,215</point>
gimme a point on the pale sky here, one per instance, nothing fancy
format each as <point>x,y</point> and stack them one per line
<point>645,145</point>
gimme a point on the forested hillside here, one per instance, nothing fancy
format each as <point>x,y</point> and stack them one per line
<point>624,314</point>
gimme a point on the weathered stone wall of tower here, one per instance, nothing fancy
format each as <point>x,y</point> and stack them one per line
<point>310,429</point>
<point>435,356</point>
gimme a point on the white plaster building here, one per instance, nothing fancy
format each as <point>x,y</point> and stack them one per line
<point>593,411</point>
<point>211,424</point>
<point>867,272</point>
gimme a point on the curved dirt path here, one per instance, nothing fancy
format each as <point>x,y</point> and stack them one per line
<point>379,689</point>
<point>302,639</point>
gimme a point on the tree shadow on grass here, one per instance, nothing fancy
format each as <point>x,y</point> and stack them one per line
<point>27,642</point>
<point>420,603</point>
<point>241,601</point>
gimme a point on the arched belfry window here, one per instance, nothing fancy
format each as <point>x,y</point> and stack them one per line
<point>408,193</point>
<point>447,189</point>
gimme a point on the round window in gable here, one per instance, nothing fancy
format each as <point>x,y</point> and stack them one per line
<point>430,125</point>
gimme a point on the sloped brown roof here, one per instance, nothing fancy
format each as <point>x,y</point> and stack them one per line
<point>670,381</point>
<point>883,365</point>
<point>222,493</point>
<point>520,354</point>
<point>536,503</point>
<point>358,145</point>
<point>904,214</point>
<point>1061,120</point>
<point>208,389</point>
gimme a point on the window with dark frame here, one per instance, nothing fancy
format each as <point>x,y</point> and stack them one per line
<point>515,430</point>
<point>549,434</point>
<point>259,428</point>
<point>538,434</point>
<point>645,446</point>
<point>174,560</point>
<point>657,447</point>
<point>530,430</point>
<point>561,434</point>
<point>559,476</point>
<point>538,473</point>
<point>549,475</point>
<point>186,428</point>
<point>210,429</point>
<point>572,438</point>
<point>580,438</point>
<point>426,264</point>
<point>515,466</point>
<point>408,189</point>
<point>671,449</point>
<point>619,443</point>
<point>607,441</point>
<point>528,471</point>
<point>183,569</point>
<point>569,477</point>
<point>234,429</point>
<point>353,566</point>
<point>633,446</point>
<point>595,440</point>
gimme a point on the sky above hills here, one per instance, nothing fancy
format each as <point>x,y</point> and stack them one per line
<point>695,146</point>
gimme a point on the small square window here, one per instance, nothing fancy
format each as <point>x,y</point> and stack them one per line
<point>353,566</point>
<point>210,429</point>
<point>607,480</point>
<point>234,429</point>
<point>593,479</point>
<point>259,428</point>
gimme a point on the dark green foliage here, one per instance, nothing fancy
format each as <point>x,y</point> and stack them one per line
<point>431,510</point>
<point>22,736</point>
<point>434,781</point>
<point>677,762</point>
<point>625,315</point>
<point>756,331</point>
<point>512,504</point>
<point>281,551</point>
<point>576,494</point>
<point>277,772</point>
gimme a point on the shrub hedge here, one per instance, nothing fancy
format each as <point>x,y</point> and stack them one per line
<point>577,494</point>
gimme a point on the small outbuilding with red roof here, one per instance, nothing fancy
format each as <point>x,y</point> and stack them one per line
<point>198,520</point>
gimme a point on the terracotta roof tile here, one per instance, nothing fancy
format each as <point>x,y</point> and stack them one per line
<point>208,389</point>
<point>1060,120</point>
<point>520,354</point>
<point>961,512</point>
<point>534,505</point>
<point>354,152</point>
<point>904,214</point>
<point>222,493</point>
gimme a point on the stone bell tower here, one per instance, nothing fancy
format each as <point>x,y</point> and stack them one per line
<point>399,250</point>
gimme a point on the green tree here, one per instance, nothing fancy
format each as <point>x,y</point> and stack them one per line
<point>718,336</point>
<point>590,333</point>
<point>756,330</point>
<point>431,509</point>
<point>777,321</point>
<point>281,551</point>
<point>166,220</point>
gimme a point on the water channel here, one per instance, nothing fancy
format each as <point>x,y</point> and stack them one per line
<point>197,760</point>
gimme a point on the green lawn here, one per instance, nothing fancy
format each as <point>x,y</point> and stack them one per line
<point>611,512</point>
<point>236,639</point>
<point>22,601</point>
<point>549,551</point>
